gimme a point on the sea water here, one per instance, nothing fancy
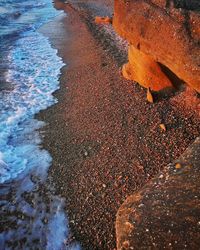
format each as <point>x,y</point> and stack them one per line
<point>31,215</point>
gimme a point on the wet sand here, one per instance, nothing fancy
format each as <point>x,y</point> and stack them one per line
<point>103,135</point>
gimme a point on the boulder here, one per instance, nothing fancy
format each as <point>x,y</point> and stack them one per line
<point>165,213</point>
<point>162,34</point>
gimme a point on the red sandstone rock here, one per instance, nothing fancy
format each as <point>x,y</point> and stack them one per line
<point>161,31</point>
<point>143,69</point>
<point>149,96</point>
<point>165,213</point>
<point>163,127</point>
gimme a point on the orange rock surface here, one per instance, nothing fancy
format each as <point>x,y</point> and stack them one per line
<point>103,20</point>
<point>143,69</point>
<point>160,33</point>
<point>165,213</point>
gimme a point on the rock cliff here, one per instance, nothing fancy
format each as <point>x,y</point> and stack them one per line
<point>161,33</point>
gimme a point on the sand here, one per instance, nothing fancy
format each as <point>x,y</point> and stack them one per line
<point>104,137</point>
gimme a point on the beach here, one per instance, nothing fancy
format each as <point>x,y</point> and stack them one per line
<point>104,136</point>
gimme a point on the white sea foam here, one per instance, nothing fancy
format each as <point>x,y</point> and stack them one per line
<point>33,72</point>
<point>3,10</point>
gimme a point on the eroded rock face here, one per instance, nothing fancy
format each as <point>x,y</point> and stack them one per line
<point>143,69</point>
<point>167,32</point>
<point>165,213</point>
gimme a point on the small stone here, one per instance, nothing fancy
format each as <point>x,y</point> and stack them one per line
<point>86,153</point>
<point>45,220</point>
<point>104,185</point>
<point>163,127</point>
<point>178,166</point>
<point>149,96</point>
<point>103,20</point>
<point>126,244</point>
<point>141,205</point>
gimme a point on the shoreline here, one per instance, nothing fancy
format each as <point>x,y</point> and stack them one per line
<point>102,134</point>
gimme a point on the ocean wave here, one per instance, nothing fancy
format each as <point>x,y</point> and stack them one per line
<point>31,214</point>
<point>34,71</point>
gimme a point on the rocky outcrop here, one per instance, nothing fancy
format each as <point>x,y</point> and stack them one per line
<point>160,32</point>
<point>142,69</point>
<point>165,214</point>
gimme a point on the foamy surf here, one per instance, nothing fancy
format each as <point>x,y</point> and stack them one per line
<point>34,72</point>
<point>31,214</point>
